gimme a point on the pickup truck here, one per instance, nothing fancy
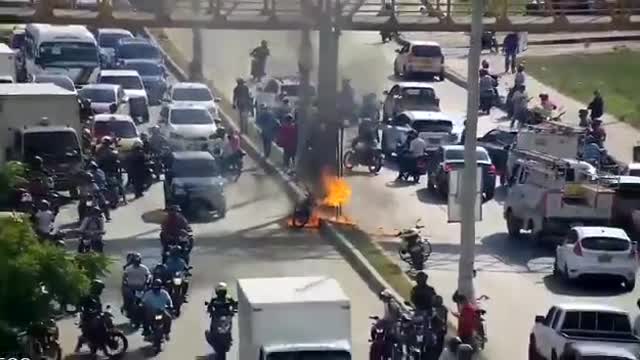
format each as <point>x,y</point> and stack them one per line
<point>580,324</point>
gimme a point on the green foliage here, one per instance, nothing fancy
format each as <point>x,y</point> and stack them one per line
<point>36,275</point>
<point>11,174</point>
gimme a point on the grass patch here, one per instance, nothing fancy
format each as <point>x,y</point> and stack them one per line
<point>389,270</point>
<point>615,74</point>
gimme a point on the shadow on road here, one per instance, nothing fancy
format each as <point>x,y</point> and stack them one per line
<point>430,197</point>
<point>584,288</point>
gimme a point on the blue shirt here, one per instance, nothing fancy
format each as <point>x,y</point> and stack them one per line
<point>100,178</point>
<point>592,152</point>
<point>156,302</point>
<point>268,123</point>
<point>175,264</point>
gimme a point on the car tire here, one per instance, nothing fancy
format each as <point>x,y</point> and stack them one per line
<point>441,76</point>
<point>396,73</point>
<point>406,74</point>
<point>514,225</point>
<point>556,270</point>
<point>630,284</point>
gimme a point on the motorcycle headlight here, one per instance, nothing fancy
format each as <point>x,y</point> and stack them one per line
<point>177,281</point>
<point>158,317</point>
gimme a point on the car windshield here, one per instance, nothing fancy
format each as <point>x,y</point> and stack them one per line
<point>118,129</point>
<point>602,243</point>
<point>290,90</point>
<point>62,82</point>
<point>596,321</point>
<point>98,95</point>
<point>310,355</point>
<point>191,94</point>
<point>146,69</point>
<point>51,145</point>
<point>418,95</point>
<point>444,126</point>
<point>68,52</point>
<point>426,51</point>
<point>137,51</point>
<point>194,168</point>
<point>110,40</point>
<point>634,172</point>
<point>127,82</point>
<point>190,117</point>
<point>458,155</point>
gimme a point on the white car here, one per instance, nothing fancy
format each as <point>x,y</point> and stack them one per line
<point>105,98</point>
<point>187,126</point>
<point>419,57</point>
<point>189,93</point>
<point>130,81</point>
<point>594,250</point>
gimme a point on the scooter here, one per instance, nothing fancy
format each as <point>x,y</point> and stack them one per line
<point>219,334</point>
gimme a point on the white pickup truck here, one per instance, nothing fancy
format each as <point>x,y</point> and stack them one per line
<point>574,323</point>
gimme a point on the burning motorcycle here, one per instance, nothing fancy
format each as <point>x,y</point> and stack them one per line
<point>303,210</point>
<point>363,154</point>
<point>219,333</point>
<point>414,249</point>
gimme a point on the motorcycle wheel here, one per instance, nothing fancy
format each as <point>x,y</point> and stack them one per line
<point>97,246</point>
<point>158,337</point>
<point>348,160</point>
<point>375,352</point>
<point>116,344</point>
<point>220,354</point>
<point>300,217</point>
<point>376,165</point>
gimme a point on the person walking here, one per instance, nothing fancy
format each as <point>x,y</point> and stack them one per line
<point>520,100</point>
<point>288,140</point>
<point>268,129</point>
<point>242,102</point>
<point>510,49</point>
<point>596,105</point>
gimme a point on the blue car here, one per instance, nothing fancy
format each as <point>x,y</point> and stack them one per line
<point>154,77</point>
<point>136,49</point>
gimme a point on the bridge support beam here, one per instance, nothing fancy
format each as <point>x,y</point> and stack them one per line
<point>195,66</point>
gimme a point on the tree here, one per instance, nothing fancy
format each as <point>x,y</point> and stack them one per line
<point>35,275</point>
<point>11,174</point>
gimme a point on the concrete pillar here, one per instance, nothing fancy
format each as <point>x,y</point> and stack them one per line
<point>305,66</point>
<point>195,67</point>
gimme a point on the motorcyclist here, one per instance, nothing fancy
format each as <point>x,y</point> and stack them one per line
<point>44,220</point>
<point>90,306</point>
<point>37,170</point>
<point>154,301</point>
<point>367,135</point>
<point>260,55</point>
<point>92,224</point>
<point>413,147</point>
<point>157,142</point>
<point>160,273</point>
<point>221,304</point>
<point>98,175</point>
<point>172,226</point>
<point>134,278</point>
<point>467,319</point>
<point>422,294</point>
<point>138,168</point>
<point>89,189</point>
<point>175,263</point>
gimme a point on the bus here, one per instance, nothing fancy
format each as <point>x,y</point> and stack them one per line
<point>69,49</point>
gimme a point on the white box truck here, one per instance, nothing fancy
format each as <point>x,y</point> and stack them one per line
<point>7,64</point>
<point>293,318</point>
<point>41,120</point>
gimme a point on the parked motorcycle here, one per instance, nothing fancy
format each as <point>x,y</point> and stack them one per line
<point>41,341</point>
<point>363,154</point>
<point>219,334</point>
<point>303,210</point>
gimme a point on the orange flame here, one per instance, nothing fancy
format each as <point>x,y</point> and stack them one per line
<point>337,190</point>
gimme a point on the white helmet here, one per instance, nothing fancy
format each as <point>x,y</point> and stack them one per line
<point>221,287</point>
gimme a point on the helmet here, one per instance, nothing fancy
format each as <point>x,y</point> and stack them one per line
<point>96,286</point>
<point>263,43</point>
<point>43,204</point>
<point>240,80</point>
<point>106,140</point>
<point>385,295</point>
<point>221,289</point>
<point>422,277</point>
<point>157,284</point>
<point>485,64</point>
<point>155,129</point>
<point>409,233</point>
<point>174,208</point>
<point>136,258</point>
<point>160,267</point>
<point>453,343</point>
<point>93,165</point>
<point>37,161</point>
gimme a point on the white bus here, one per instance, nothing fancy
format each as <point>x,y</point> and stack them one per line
<point>69,49</point>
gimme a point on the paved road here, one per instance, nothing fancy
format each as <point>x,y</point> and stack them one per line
<point>515,275</point>
<point>252,241</point>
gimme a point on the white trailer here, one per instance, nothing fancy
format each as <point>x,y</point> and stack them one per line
<point>279,317</point>
<point>7,63</point>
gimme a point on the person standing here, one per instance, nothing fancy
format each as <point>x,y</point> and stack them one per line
<point>268,129</point>
<point>242,103</point>
<point>288,140</point>
<point>596,105</point>
<point>510,49</point>
<point>520,100</point>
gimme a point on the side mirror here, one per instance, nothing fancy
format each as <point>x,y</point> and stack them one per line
<point>206,303</point>
<point>539,319</point>
<point>217,99</point>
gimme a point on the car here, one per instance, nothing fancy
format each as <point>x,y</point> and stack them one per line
<point>133,87</point>
<point>497,142</point>
<point>436,128</point>
<point>107,40</point>
<point>57,79</point>
<point>105,98</point>
<point>451,157</point>
<point>136,48</point>
<point>409,96</point>
<point>187,126</point>
<point>154,77</point>
<point>416,57</point>
<point>194,182</point>
<point>597,250</point>
<point>271,91</point>
<point>587,351</point>
<point>119,126</point>
<point>192,93</point>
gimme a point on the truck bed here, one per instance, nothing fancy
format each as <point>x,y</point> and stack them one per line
<point>597,336</point>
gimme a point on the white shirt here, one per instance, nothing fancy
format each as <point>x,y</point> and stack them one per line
<point>137,276</point>
<point>417,147</point>
<point>44,221</point>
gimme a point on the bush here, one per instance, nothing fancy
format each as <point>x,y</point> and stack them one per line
<point>11,174</point>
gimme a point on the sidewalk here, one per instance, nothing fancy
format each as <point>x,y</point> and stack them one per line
<point>621,137</point>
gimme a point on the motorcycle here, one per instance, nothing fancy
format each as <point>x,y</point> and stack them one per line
<point>41,341</point>
<point>91,241</point>
<point>303,210</point>
<point>111,341</point>
<point>219,334</point>
<point>134,309</point>
<point>415,254</point>
<point>233,165</point>
<point>382,345</point>
<point>175,289</point>
<point>480,335</point>
<point>413,167</point>
<point>422,338</point>
<point>158,332</point>
<point>184,241</point>
<point>363,154</point>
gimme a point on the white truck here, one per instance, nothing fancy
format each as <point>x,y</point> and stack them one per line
<point>293,318</point>
<point>41,120</point>
<point>573,324</point>
<point>549,195</point>
<point>7,64</point>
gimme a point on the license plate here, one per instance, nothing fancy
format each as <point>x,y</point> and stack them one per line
<point>604,258</point>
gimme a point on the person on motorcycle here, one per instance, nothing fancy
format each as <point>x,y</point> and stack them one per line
<point>172,226</point>
<point>138,169</point>
<point>37,170</point>
<point>154,301</point>
<point>260,55</point>
<point>160,273</point>
<point>90,306</point>
<point>90,190</point>
<point>451,351</point>
<point>135,278</point>
<point>467,319</point>
<point>422,295</point>
<point>175,263</point>
<point>221,303</point>
<point>44,220</point>
<point>98,175</point>
<point>87,145</point>
<point>93,223</point>
<point>412,149</point>
<point>157,142</point>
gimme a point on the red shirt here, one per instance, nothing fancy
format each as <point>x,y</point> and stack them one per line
<point>288,137</point>
<point>467,320</point>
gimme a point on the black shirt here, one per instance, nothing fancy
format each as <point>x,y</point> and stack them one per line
<point>422,297</point>
<point>597,107</point>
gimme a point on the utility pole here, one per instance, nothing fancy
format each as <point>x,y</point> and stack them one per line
<point>469,173</point>
<point>305,66</point>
